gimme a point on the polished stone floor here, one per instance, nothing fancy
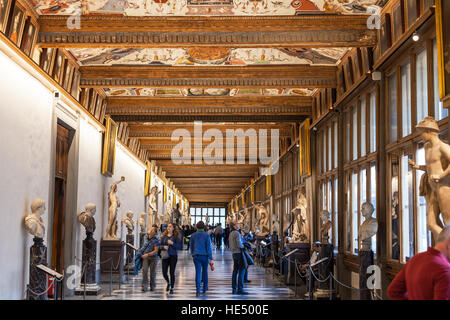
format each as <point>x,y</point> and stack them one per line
<point>263,285</point>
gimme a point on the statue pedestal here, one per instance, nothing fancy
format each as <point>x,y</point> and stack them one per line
<point>325,268</point>
<point>302,255</point>
<point>141,239</point>
<point>38,278</point>
<point>89,264</point>
<point>111,261</point>
<point>365,260</point>
<point>129,258</point>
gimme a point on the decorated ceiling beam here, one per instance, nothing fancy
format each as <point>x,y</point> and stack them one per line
<point>252,76</point>
<point>109,31</point>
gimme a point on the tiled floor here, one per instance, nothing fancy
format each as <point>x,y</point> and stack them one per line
<point>263,286</point>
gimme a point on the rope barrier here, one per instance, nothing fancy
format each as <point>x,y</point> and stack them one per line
<point>44,292</point>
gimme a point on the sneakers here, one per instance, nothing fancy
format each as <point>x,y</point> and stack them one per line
<point>144,290</point>
<point>242,292</point>
<point>171,291</point>
<point>247,281</point>
<point>168,287</point>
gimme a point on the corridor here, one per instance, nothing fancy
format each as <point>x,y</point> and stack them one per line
<point>262,286</point>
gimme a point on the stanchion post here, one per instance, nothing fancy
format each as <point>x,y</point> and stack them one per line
<point>331,287</point>
<point>310,284</point>
<point>84,275</point>
<point>295,276</point>
<point>110,280</point>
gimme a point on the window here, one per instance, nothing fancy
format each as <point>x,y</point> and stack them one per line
<point>355,213</point>
<point>329,149</point>
<point>355,133</point>
<point>215,215</point>
<point>336,145</point>
<point>335,221</point>
<point>373,122</point>
<point>439,111</point>
<point>373,198</point>
<point>424,236</point>
<point>347,137</point>
<point>363,127</point>
<point>392,124</point>
<point>406,99</point>
<point>395,253</point>
<point>349,212</point>
<point>421,85</point>
<point>407,213</point>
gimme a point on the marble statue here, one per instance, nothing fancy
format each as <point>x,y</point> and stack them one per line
<point>435,182</point>
<point>86,218</point>
<point>33,222</point>
<point>141,222</point>
<point>326,226</point>
<point>368,228</point>
<point>207,220</point>
<point>186,217</point>
<point>128,221</point>
<point>153,215</point>
<point>168,216</point>
<point>113,204</point>
<point>176,214</point>
<point>263,220</point>
<point>300,221</point>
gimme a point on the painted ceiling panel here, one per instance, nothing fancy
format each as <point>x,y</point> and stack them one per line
<point>202,7</point>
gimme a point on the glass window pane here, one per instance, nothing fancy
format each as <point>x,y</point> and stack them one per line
<point>336,144</point>
<point>199,212</point>
<point>347,137</point>
<point>329,148</point>
<point>355,213</point>
<point>335,222</point>
<point>439,111</point>
<point>421,85</point>
<point>363,127</point>
<point>355,133</point>
<point>407,209</point>
<point>392,126</point>
<point>424,234</point>
<point>395,208</point>
<point>373,122</point>
<point>216,211</point>
<point>349,211</point>
<point>373,199</point>
<point>222,212</point>
<point>324,150</point>
<point>406,99</point>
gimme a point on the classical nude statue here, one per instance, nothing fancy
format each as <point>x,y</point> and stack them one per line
<point>368,228</point>
<point>435,182</point>
<point>299,218</point>
<point>168,216</point>
<point>263,220</point>
<point>86,218</point>
<point>326,226</point>
<point>128,221</point>
<point>33,222</point>
<point>153,215</point>
<point>113,204</point>
<point>141,222</point>
<point>186,217</point>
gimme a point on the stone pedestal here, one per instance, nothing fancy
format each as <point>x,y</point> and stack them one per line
<point>141,239</point>
<point>38,278</point>
<point>302,255</point>
<point>111,261</point>
<point>365,260</point>
<point>325,268</point>
<point>89,264</point>
<point>129,257</point>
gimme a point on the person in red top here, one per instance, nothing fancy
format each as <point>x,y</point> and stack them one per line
<point>426,276</point>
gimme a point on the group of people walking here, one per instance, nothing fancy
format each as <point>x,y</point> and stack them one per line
<point>167,246</point>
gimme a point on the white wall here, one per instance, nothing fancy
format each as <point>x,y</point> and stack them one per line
<point>25,144</point>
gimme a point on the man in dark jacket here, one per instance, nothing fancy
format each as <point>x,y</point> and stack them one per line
<point>201,250</point>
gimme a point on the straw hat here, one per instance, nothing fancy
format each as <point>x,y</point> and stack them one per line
<point>428,123</point>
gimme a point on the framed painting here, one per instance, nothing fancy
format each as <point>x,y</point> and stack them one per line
<point>385,34</point>
<point>29,36</point>
<point>98,107</point>
<point>16,24</point>
<point>58,66</point>
<point>93,101</point>
<point>74,89</point>
<point>47,59</point>
<point>304,149</point>
<point>443,43</point>
<point>5,6</point>
<point>426,4</point>
<point>341,81</point>
<point>365,60</point>
<point>109,147</point>
<point>411,9</point>
<point>67,75</point>
<point>397,22</point>
<point>148,178</point>
<point>347,75</point>
<point>103,112</point>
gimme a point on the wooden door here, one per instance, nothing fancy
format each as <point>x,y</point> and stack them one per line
<point>61,159</point>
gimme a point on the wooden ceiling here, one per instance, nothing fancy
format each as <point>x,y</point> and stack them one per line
<point>152,119</point>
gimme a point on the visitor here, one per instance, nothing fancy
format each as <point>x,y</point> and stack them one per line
<point>226,236</point>
<point>426,276</point>
<point>150,258</point>
<point>201,250</point>
<point>218,233</point>
<point>306,267</point>
<point>170,244</point>
<point>246,245</point>
<point>236,246</point>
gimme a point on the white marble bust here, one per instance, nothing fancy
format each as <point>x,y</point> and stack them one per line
<point>33,222</point>
<point>128,221</point>
<point>368,228</point>
<point>141,222</point>
<point>86,218</point>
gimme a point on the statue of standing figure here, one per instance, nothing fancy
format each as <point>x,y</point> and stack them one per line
<point>33,222</point>
<point>141,222</point>
<point>263,220</point>
<point>326,226</point>
<point>368,228</point>
<point>435,182</point>
<point>86,218</point>
<point>299,218</point>
<point>153,215</point>
<point>113,204</point>
<point>128,221</point>
<point>168,216</point>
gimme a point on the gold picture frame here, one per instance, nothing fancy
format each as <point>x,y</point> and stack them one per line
<point>148,177</point>
<point>109,147</point>
<point>16,25</point>
<point>304,148</point>
<point>5,6</point>
<point>443,44</point>
<point>29,36</point>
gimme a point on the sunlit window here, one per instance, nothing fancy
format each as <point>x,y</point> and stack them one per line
<point>373,122</point>
<point>421,85</point>
<point>406,99</point>
<point>407,208</point>
<point>439,111</point>
<point>392,126</point>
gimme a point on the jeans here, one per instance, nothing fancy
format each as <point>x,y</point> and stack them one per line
<point>172,263</point>
<point>237,281</point>
<point>201,272</point>
<point>147,263</point>
<point>218,241</point>
<point>246,274</point>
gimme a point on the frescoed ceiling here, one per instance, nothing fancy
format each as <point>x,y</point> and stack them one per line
<point>201,56</point>
<point>202,7</point>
